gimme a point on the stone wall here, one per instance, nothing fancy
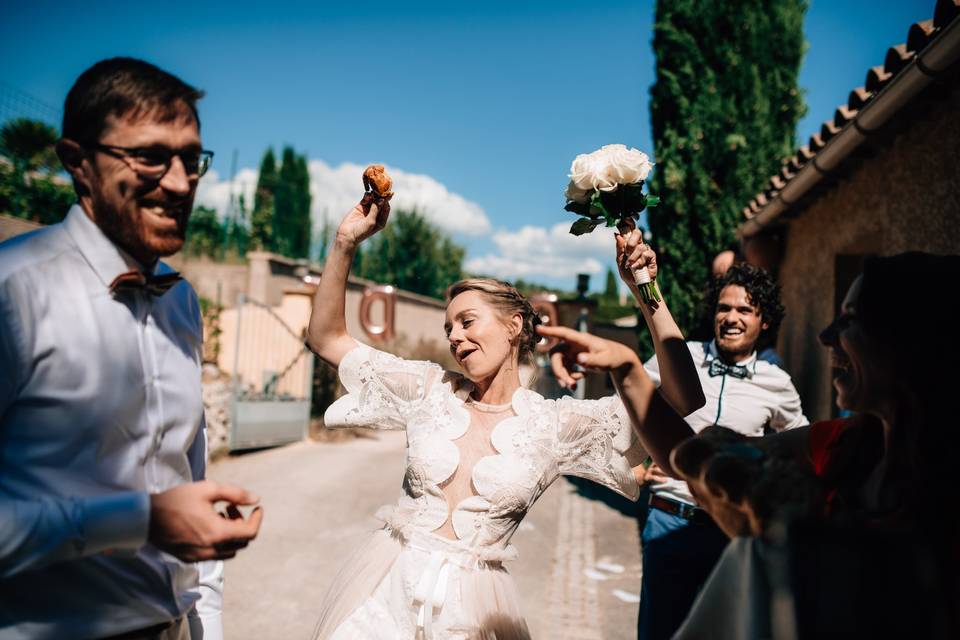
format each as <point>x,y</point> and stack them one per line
<point>906,197</point>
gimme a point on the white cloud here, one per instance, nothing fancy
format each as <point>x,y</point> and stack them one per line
<point>336,189</point>
<point>552,253</point>
<point>215,193</point>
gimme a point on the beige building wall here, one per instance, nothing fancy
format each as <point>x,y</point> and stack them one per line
<point>418,322</point>
<point>212,280</point>
<point>274,319</point>
<point>906,197</point>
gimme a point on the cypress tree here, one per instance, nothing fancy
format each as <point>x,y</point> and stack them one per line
<point>302,238</point>
<point>611,291</point>
<point>284,214</point>
<point>724,110</point>
<point>291,218</point>
<point>262,227</point>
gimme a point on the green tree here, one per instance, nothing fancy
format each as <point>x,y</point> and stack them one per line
<point>285,205</point>
<point>724,110</point>
<point>326,235</point>
<point>29,184</point>
<point>262,218</point>
<point>205,234</point>
<point>611,291</point>
<point>302,199</point>
<point>412,254</point>
<point>237,230</point>
<point>287,191</point>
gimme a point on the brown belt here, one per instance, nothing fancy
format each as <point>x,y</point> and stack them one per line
<point>695,515</point>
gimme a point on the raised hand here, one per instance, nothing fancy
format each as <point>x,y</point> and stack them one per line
<point>185,523</point>
<point>585,350</point>
<point>633,253</point>
<point>365,219</point>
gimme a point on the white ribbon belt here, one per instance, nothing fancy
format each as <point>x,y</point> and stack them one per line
<point>431,591</point>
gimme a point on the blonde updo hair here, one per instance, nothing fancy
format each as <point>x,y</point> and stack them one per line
<point>507,300</point>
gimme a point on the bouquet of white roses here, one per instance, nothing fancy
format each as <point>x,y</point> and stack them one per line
<point>606,187</point>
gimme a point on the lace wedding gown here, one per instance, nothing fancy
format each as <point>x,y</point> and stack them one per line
<point>435,570</point>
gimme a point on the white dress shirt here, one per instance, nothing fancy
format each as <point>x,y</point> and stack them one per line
<point>765,398</point>
<point>100,405</point>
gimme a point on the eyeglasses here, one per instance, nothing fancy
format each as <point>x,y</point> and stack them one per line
<point>152,163</point>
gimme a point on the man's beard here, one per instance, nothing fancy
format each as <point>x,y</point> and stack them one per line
<point>127,228</point>
<point>732,356</point>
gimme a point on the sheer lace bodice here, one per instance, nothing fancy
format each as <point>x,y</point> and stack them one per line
<point>472,446</point>
<point>472,473</point>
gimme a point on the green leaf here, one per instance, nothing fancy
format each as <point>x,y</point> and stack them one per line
<point>582,208</point>
<point>583,225</point>
<point>653,201</point>
<point>597,203</point>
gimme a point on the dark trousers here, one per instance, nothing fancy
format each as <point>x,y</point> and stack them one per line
<point>678,556</point>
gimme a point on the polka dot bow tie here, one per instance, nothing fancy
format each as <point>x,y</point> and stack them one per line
<point>156,285</point>
<point>720,368</point>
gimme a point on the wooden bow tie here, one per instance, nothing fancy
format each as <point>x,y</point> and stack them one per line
<point>156,285</point>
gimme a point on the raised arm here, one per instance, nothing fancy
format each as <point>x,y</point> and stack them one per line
<point>658,425</point>
<point>327,332</point>
<point>680,384</point>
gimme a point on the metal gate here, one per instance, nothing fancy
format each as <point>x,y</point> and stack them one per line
<point>272,375</point>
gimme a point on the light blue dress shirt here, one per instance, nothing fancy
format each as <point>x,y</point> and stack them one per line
<point>766,398</point>
<point>100,405</point>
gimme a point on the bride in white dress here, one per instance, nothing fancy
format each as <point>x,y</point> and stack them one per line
<point>480,450</point>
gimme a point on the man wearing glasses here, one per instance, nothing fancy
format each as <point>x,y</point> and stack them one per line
<point>107,527</point>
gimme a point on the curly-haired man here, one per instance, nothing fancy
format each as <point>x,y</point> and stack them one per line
<point>740,390</point>
<point>681,543</point>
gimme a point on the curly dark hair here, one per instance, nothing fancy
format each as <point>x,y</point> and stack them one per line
<point>762,291</point>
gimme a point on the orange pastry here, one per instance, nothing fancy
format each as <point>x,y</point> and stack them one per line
<point>377,182</point>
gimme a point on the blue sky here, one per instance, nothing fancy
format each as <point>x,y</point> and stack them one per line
<point>477,107</point>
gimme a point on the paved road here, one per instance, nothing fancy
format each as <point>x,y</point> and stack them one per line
<point>579,556</point>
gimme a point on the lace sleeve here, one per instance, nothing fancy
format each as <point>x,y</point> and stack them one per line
<point>382,389</point>
<point>595,440</point>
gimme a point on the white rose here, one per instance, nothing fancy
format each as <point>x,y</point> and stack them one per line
<point>640,163</point>
<point>577,194</point>
<point>581,171</point>
<point>626,166</point>
<point>601,177</point>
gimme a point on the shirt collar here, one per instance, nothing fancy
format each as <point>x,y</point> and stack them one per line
<point>105,258</point>
<point>711,353</point>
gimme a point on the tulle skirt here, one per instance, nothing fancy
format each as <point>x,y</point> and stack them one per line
<point>416,585</point>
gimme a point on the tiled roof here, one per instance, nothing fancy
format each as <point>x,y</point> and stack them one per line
<point>912,55</point>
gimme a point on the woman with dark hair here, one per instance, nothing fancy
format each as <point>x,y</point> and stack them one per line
<point>879,482</point>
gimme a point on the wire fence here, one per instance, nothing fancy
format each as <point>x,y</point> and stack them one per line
<point>15,103</point>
